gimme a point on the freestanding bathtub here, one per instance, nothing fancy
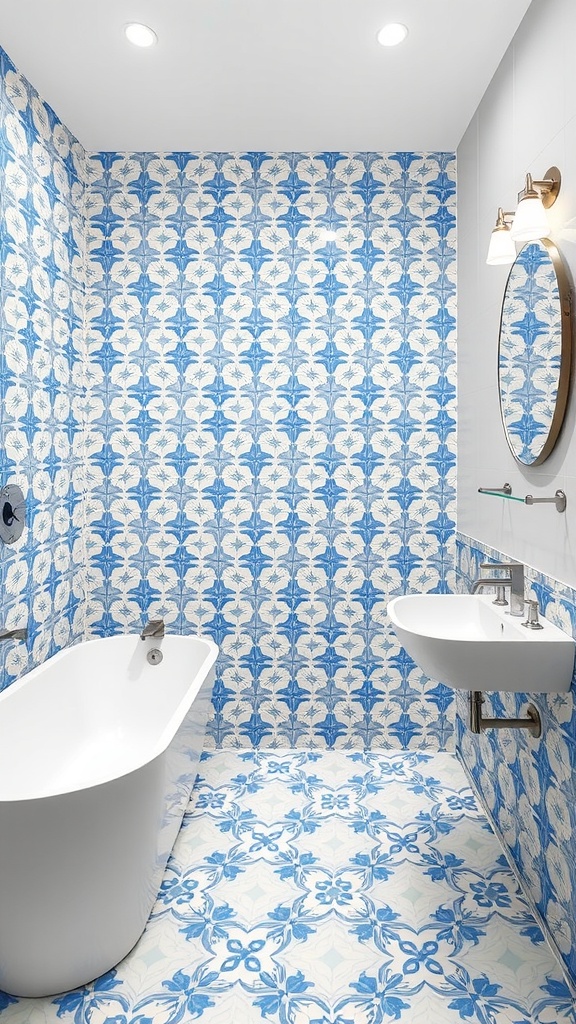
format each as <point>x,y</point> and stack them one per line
<point>98,755</point>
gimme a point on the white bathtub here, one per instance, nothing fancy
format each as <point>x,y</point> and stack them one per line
<point>98,755</point>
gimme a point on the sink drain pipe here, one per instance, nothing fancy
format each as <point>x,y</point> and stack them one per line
<point>478,724</point>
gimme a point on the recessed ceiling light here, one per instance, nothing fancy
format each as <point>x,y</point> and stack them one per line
<point>392,34</point>
<point>140,35</point>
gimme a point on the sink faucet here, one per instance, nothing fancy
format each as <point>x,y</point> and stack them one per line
<point>13,634</point>
<point>514,580</point>
<point>154,627</point>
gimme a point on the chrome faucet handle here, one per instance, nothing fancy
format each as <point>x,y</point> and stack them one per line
<point>532,621</point>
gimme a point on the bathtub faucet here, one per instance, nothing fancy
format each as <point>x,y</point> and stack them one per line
<point>13,634</point>
<point>154,627</point>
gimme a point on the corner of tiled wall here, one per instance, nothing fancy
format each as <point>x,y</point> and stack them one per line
<point>526,784</point>
<point>224,417</point>
<point>42,248</point>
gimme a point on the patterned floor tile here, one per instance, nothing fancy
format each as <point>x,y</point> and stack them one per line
<point>332,888</point>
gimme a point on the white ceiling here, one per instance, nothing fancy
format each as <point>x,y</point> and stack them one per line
<point>268,75</point>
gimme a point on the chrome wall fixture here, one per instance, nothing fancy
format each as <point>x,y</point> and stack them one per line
<point>528,222</point>
<point>14,634</point>
<point>477,722</point>
<point>559,500</point>
<point>12,513</point>
<point>505,489</point>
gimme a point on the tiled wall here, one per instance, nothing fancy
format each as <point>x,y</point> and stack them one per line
<point>527,784</point>
<point>266,451</point>
<point>272,436</point>
<point>252,434</point>
<point>41,380</point>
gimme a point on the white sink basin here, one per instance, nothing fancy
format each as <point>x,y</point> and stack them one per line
<point>467,642</point>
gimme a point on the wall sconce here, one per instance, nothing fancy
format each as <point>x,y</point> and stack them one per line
<point>530,220</point>
<point>501,248</point>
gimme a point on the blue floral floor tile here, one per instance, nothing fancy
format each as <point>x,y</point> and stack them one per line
<point>329,888</point>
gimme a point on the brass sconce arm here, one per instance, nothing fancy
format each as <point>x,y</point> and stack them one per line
<point>546,189</point>
<point>504,218</point>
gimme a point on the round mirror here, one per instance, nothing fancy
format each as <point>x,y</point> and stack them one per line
<point>534,351</point>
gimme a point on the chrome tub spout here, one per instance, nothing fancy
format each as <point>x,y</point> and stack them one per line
<point>13,634</point>
<point>153,628</point>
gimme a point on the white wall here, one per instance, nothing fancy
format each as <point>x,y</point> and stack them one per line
<point>526,122</point>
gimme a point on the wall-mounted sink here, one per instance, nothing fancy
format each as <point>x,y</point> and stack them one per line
<point>467,642</point>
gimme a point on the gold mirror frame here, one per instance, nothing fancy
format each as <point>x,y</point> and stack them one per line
<point>565,331</point>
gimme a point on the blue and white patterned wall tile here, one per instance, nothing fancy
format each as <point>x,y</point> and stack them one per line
<point>238,410</point>
<point>265,450</point>
<point>271,445</point>
<point>42,250</point>
<point>528,784</point>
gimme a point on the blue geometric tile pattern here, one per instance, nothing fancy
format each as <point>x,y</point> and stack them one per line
<point>528,786</point>
<point>271,440</point>
<point>255,438</point>
<point>329,888</point>
<point>42,241</point>
<point>255,434</point>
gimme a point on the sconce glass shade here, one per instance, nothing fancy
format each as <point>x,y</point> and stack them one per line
<point>501,248</point>
<point>531,220</point>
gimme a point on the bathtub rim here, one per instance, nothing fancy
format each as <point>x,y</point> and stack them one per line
<point>155,750</point>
